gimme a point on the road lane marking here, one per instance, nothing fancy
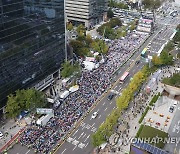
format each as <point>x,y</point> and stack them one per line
<point>105,109</point>
<point>84,135</point>
<point>64,151</point>
<point>74,147</point>
<point>99,116</point>
<point>104,95</point>
<point>110,102</point>
<point>27,152</point>
<point>80,135</point>
<point>81,145</point>
<point>86,144</point>
<point>93,124</point>
<point>97,110</point>
<point>103,103</point>
<point>86,138</point>
<point>75,132</point>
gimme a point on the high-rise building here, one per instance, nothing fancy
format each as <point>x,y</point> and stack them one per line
<point>88,12</point>
<point>32,42</point>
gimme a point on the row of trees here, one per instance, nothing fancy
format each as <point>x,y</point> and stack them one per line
<point>24,100</point>
<point>165,57</point>
<point>84,44</point>
<point>151,4</point>
<point>107,30</point>
<point>120,5</point>
<point>106,129</point>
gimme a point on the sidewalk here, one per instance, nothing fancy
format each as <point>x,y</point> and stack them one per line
<point>11,131</point>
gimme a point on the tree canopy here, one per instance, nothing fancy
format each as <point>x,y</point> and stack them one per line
<point>122,102</point>
<point>110,13</point>
<point>151,4</point>
<point>120,5</point>
<point>69,26</point>
<point>99,46</point>
<point>24,100</point>
<point>107,29</point>
<point>69,69</point>
<point>173,81</point>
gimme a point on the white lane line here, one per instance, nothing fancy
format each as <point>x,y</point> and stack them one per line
<point>104,103</point>
<point>86,144</point>
<point>75,132</point>
<point>110,102</point>
<point>119,89</point>
<point>115,87</point>
<point>83,135</point>
<point>97,110</point>
<point>86,138</point>
<point>99,116</point>
<point>27,152</point>
<point>105,109</point>
<point>63,151</point>
<point>93,124</point>
<point>74,147</point>
<point>80,135</point>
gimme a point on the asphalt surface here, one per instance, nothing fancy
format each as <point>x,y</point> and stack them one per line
<point>79,141</point>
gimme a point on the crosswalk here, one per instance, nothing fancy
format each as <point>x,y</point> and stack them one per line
<point>75,140</point>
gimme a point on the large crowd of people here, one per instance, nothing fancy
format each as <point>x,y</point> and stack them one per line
<point>92,84</point>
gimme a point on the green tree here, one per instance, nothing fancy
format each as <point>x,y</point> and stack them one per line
<point>76,45</point>
<point>13,108</point>
<point>166,58</point>
<point>24,100</point>
<point>151,4</point>
<point>69,26</point>
<point>156,60</point>
<point>110,13</point>
<point>81,30</point>
<point>100,46</point>
<point>69,69</point>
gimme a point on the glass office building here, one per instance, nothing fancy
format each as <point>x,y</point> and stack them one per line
<point>32,42</point>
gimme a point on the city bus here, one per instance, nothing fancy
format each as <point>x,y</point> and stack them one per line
<point>124,77</point>
<point>144,53</point>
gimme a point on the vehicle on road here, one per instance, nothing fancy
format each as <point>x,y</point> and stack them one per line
<point>144,53</point>
<point>110,97</point>
<point>124,77</point>
<point>137,62</point>
<point>1,135</point>
<point>94,115</point>
<point>171,109</point>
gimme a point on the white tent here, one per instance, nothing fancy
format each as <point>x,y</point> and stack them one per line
<point>89,65</point>
<point>74,88</point>
<point>64,94</point>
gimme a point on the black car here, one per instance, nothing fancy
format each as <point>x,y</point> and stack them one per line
<point>137,62</point>
<point>171,109</point>
<point>111,96</point>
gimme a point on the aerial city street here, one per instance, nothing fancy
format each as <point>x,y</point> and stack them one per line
<point>90,77</point>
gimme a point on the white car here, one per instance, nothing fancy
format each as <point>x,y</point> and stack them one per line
<point>94,115</point>
<point>1,135</point>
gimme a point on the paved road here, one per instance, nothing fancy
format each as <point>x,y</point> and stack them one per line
<point>79,141</point>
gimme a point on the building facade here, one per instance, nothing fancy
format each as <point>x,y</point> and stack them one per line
<point>32,42</point>
<point>88,12</point>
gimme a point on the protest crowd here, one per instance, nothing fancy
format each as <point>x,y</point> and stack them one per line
<point>92,84</point>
